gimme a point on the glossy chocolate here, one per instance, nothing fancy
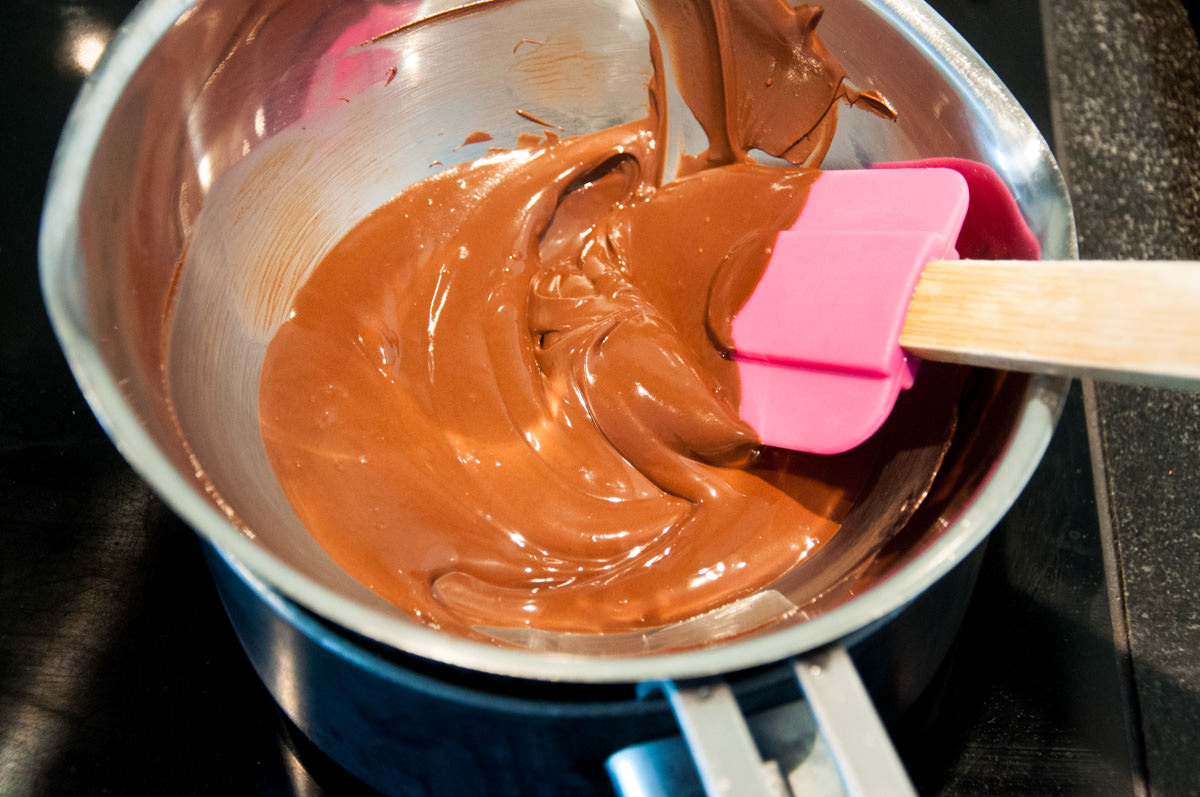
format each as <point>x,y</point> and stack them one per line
<point>497,401</point>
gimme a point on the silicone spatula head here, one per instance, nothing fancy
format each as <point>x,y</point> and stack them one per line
<point>817,344</point>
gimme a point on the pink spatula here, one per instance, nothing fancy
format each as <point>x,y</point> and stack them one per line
<point>868,281</point>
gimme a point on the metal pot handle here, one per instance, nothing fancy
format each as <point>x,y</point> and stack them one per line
<point>860,746</point>
<point>851,755</point>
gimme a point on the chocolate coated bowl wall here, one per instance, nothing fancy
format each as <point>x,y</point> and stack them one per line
<point>152,138</point>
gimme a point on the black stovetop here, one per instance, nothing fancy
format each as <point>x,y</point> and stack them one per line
<point>1078,667</point>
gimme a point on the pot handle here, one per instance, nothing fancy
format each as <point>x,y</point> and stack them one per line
<point>846,718</point>
<point>851,755</point>
<point>724,752</point>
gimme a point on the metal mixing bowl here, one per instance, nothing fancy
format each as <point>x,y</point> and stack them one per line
<point>157,147</point>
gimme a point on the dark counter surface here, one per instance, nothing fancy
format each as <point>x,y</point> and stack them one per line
<point>1125,76</point>
<point>1078,669</point>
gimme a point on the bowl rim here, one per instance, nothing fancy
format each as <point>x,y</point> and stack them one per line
<point>60,260</point>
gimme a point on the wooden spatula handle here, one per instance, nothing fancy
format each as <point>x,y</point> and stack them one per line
<point>1121,320</point>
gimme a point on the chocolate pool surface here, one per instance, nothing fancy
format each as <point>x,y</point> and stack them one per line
<point>497,401</point>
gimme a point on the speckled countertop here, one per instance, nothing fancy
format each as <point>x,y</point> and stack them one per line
<point>1124,80</point>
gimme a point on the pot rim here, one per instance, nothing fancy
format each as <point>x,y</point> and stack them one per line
<point>61,263</point>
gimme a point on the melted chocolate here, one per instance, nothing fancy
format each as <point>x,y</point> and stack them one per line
<point>756,76</point>
<point>497,402</point>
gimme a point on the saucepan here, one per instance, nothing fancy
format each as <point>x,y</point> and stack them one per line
<point>222,146</point>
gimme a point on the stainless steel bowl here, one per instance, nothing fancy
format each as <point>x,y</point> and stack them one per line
<point>216,128</point>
